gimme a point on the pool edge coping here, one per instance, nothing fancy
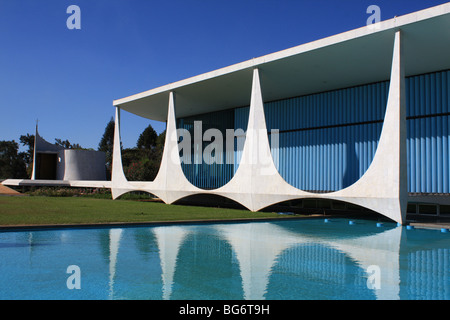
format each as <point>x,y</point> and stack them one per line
<point>36,227</point>
<point>5,228</point>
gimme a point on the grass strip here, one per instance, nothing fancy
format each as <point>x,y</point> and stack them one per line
<point>41,210</point>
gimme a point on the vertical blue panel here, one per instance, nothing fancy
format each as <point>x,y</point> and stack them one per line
<point>202,171</point>
<point>332,158</point>
<point>328,152</point>
<point>418,162</point>
<point>438,170</point>
<point>411,127</point>
<point>423,153</point>
<point>427,105</point>
<point>445,155</point>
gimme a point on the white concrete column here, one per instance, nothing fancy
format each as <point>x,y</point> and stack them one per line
<point>257,182</point>
<point>170,183</point>
<point>119,182</point>
<point>383,187</point>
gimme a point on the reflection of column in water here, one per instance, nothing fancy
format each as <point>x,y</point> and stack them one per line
<point>310,258</point>
<point>382,250</point>
<point>169,241</point>
<point>114,243</point>
<point>256,247</point>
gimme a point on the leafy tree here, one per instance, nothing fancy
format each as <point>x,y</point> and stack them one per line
<point>141,169</point>
<point>12,163</point>
<point>142,163</point>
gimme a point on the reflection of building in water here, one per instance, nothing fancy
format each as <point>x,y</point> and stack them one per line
<point>314,260</point>
<point>266,261</point>
<point>257,247</point>
<point>264,253</point>
<point>429,274</point>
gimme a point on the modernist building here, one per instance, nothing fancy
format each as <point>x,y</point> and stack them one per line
<point>56,163</point>
<point>361,117</point>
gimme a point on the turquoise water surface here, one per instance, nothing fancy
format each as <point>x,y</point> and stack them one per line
<point>291,259</point>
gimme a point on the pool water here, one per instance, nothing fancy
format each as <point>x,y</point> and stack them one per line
<point>290,259</point>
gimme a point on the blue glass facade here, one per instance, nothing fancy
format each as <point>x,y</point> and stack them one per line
<point>327,140</point>
<point>207,170</point>
<point>428,114</point>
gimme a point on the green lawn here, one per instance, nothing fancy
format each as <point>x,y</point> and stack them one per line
<point>41,210</point>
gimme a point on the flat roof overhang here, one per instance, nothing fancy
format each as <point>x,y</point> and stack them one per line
<point>348,59</point>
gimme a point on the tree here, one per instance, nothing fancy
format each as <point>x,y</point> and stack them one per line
<point>12,163</point>
<point>28,141</point>
<point>147,139</point>
<point>67,145</point>
<point>139,166</point>
<point>142,163</point>
<point>107,144</point>
<point>160,143</point>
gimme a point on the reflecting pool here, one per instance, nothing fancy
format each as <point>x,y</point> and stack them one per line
<point>289,259</point>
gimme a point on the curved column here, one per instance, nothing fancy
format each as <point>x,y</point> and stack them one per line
<point>170,183</point>
<point>257,183</point>
<point>383,187</point>
<point>119,183</point>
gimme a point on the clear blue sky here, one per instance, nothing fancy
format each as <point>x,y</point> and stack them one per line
<point>68,79</point>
